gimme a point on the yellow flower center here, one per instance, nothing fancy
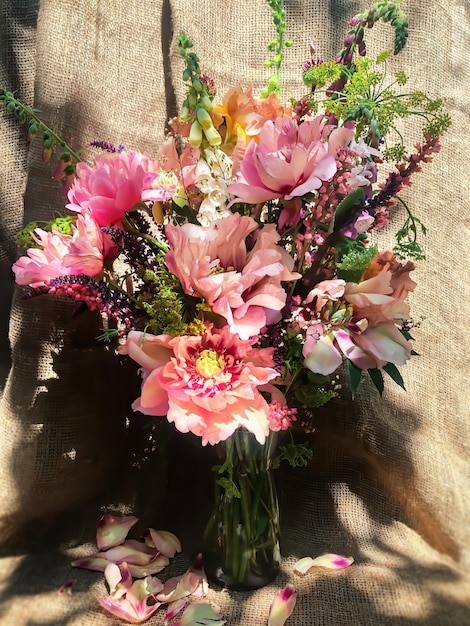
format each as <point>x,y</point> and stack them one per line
<point>209,364</point>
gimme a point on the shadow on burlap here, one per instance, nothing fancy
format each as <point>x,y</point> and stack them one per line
<point>389,480</point>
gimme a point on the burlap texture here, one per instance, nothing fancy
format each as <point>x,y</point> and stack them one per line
<point>389,482</point>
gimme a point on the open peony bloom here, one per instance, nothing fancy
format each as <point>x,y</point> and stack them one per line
<point>241,283</point>
<point>282,606</point>
<point>289,161</point>
<point>115,184</point>
<point>205,384</point>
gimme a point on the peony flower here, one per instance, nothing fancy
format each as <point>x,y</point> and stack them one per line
<point>208,384</point>
<point>288,161</point>
<point>114,185</point>
<point>240,284</point>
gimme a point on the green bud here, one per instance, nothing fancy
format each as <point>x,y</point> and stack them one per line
<point>10,107</point>
<point>204,118</point>
<point>289,43</point>
<point>195,134</point>
<point>192,100</point>
<point>212,136</point>
<point>268,64</point>
<point>196,83</point>
<point>206,102</point>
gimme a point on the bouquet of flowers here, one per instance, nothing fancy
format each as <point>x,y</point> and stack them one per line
<point>240,261</point>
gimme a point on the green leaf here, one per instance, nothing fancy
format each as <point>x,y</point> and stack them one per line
<point>377,378</point>
<point>355,374</point>
<point>344,209</point>
<point>394,374</point>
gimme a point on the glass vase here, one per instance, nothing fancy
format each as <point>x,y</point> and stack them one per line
<point>241,540</point>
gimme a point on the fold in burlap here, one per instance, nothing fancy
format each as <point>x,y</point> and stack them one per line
<point>389,481</point>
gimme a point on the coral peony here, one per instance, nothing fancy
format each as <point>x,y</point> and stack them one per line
<point>206,384</point>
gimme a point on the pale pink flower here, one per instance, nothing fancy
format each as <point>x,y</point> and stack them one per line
<point>89,247</point>
<point>40,265</point>
<point>208,385</point>
<point>288,161</point>
<point>200,614</point>
<point>239,283</point>
<point>368,336</point>
<point>114,185</point>
<point>82,252</point>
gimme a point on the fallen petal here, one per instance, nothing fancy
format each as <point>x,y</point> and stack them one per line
<point>202,614</point>
<point>95,563</point>
<point>165,542</point>
<point>119,579</point>
<point>282,606</point>
<point>123,609</point>
<point>112,531</point>
<point>174,608</point>
<point>327,561</point>
<point>156,565</point>
<point>66,587</point>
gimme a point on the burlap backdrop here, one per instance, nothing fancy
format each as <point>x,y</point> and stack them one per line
<point>389,482</point>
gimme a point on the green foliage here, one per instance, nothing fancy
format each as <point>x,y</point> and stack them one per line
<point>108,334</point>
<point>322,74</point>
<point>407,246</point>
<point>29,116</point>
<point>164,308</point>
<point>62,223</point>
<point>276,47</point>
<point>296,454</point>
<point>293,357</point>
<point>225,480</point>
<point>354,262</point>
<point>313,396</point>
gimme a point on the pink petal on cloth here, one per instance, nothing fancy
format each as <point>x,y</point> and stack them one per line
<point>165,542</point>
<point>282,606</point>
<point>200,614</point>
<point>94,563</point>
<point>119,579</point>
<point>112,530</point>
<point>174,608</point>
<point>326,561</point>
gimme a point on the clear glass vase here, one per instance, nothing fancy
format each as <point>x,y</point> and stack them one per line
<point>241,540</point>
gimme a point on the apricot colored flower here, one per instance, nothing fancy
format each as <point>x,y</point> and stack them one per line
<point>208,385</point>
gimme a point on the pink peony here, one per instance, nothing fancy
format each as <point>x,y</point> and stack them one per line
<point>208,385</point>
<point>288,161</point>
<point>115,184</point>
<point>242,285</point>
